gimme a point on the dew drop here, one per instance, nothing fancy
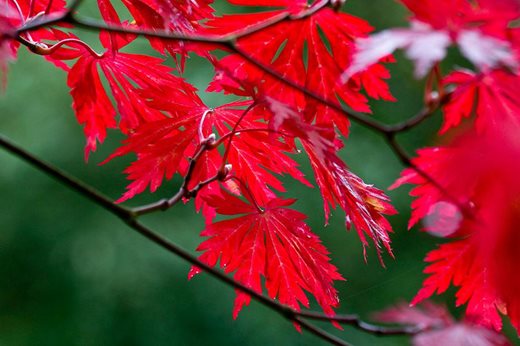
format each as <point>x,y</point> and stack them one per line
<point>443,219</point>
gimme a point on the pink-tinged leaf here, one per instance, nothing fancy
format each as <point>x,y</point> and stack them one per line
<point>275,244</point>
<point>481,29</point>
<point>427,315</point>
<point>486,52</point>
<point>439,327</point>
<point>461,334</point>
<point>422,44</point>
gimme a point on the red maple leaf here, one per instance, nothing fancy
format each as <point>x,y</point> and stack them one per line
<point>163,147</point>
<point>7,49</point>
<point>273,242</point>
<point>363,204</point>
<point>426,316</point>
<point>128,75</point>
<point>286,45</point>
<point>458,263</point>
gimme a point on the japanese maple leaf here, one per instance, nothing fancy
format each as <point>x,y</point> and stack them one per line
<point>127,76</point>
<point>485,191</point>
<point>271,242</point>
<point>439,327</point>
<point>255,156</point>
<point>282,45</point>
<point>479,28</point>
<point>180,16</point>
<point>491,96</point>
<point>163,148</point>
<point>458,263</point>
<point>363,204</point>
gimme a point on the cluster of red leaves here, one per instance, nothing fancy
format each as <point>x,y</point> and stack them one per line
<point>481,260</point>
<point>243,148</point>
<point>478,171</point>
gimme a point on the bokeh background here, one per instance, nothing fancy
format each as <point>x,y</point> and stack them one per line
<point>73,274</point>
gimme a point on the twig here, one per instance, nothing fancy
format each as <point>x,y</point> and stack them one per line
<point>320,332</point>
<point>183,192</point>
<point>357,322</point>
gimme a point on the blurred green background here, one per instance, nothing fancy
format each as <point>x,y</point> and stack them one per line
<point>73,274</point>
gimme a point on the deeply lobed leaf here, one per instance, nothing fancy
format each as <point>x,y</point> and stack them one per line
<point>272,243</point>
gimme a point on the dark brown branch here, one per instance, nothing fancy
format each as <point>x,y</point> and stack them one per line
<point>320,332</point>
<point>465,208</point>
<point>183,192</point>
<point>72,182</point>
<point>421,116</point>
<point>357,322</point>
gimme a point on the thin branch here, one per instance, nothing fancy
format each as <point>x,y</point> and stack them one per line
<point>435,104</point>
<point>183,192</point>
<point>322,334</point>
<point>398,149</point>
<point>72,182</point>
<point>357,322</point>
<point>43,49</point>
